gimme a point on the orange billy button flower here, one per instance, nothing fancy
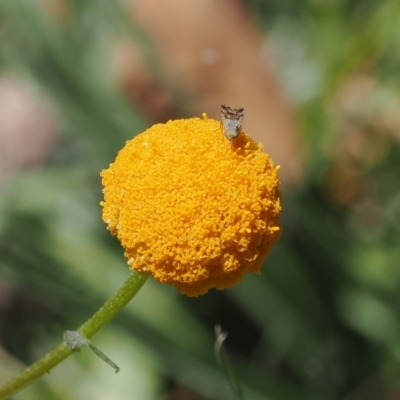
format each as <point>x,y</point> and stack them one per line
<point>192,208</point>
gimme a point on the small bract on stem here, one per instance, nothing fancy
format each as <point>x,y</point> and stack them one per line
<point>75,341</point>
<point>104,315</point>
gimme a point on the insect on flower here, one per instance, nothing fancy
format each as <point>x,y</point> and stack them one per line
<point>231,119</point>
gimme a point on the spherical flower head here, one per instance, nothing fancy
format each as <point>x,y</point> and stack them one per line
<point>192,208</point>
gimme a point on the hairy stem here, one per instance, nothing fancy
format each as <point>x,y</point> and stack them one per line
<point>104,315</point>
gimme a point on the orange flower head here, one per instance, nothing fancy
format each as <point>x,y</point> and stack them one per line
<point>192,208</point>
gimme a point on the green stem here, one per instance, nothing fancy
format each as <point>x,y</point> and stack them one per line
<point>104,315</point>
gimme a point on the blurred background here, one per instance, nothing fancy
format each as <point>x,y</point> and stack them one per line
<point>320,82</point>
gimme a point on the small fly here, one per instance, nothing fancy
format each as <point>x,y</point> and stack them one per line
<point>231,119</point>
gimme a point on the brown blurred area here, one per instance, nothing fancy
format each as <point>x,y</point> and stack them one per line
<point>366,123</point>
<point>210,53</point>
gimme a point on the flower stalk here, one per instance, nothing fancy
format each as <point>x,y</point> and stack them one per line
<point>101,318</point>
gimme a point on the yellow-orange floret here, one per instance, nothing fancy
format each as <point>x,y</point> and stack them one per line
<point>192,208</point>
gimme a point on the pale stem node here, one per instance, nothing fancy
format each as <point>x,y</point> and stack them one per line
<point>75,341</point>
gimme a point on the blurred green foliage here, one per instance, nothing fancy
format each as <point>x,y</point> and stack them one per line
<point>323,320</point>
